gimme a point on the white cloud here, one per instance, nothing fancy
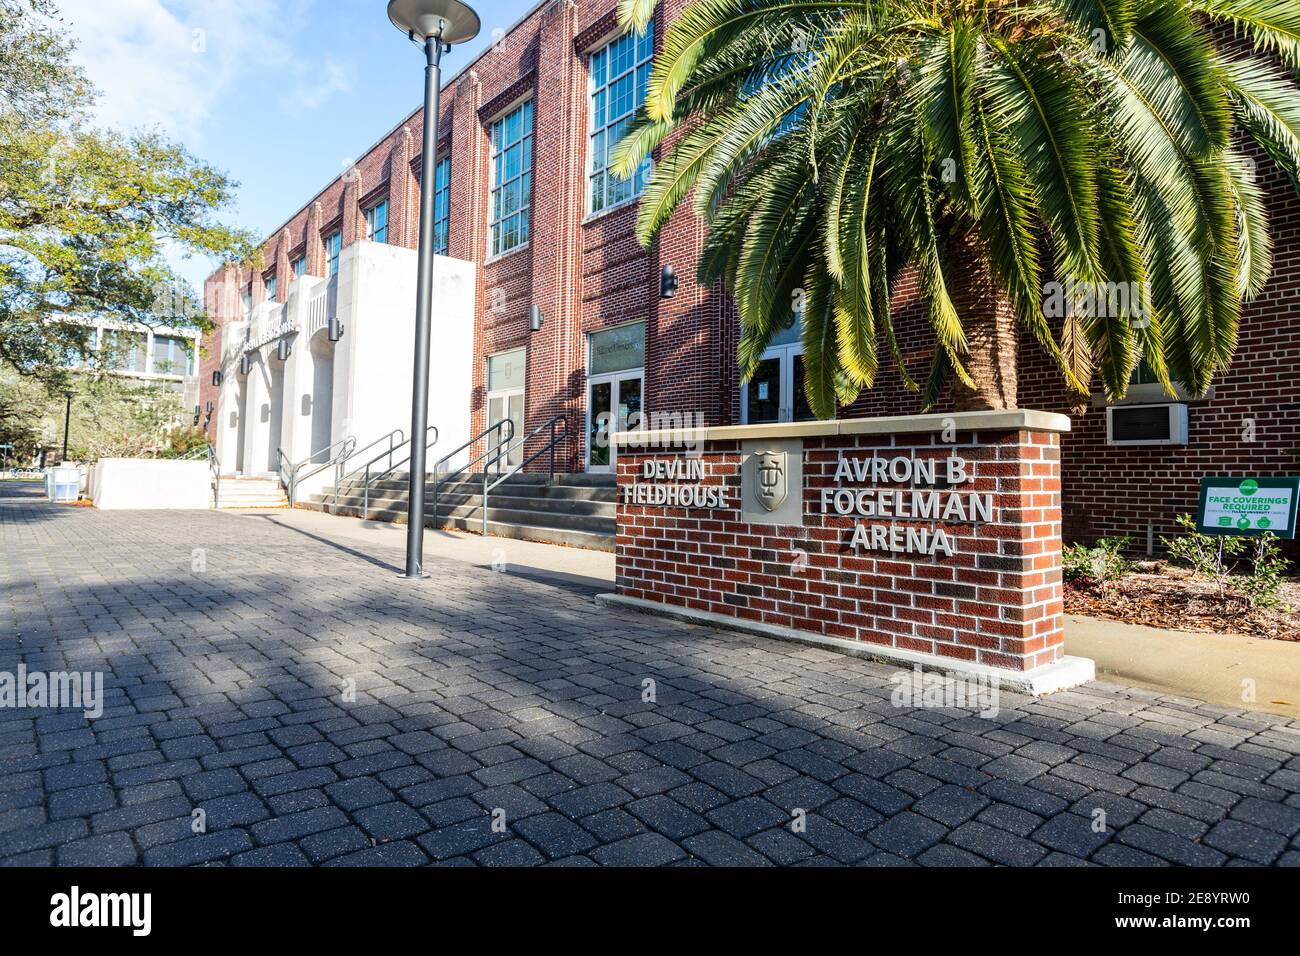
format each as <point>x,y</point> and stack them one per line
<point>310,94</point>
<point>169,62</point>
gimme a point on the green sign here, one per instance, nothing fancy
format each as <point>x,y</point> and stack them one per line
<point>1250,506</point>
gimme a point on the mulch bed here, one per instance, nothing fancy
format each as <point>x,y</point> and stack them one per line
<point>1172,597</point>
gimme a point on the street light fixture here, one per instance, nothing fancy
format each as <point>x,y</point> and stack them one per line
<point>436,25</point>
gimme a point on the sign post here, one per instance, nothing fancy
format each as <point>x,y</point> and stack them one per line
<point>1245,505</point>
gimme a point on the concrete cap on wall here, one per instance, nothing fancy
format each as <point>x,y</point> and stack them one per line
<point>1015,419</point>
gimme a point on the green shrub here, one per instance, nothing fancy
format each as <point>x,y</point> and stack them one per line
<point>1101,564</point>
<point>1260,587</point>
<point>1216,557</point>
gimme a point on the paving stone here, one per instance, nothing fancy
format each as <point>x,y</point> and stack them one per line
<point>951,805</point>
<point>1169,847</point>
<point>199,849</point>
<point>460,713</point>
<point>722,849</point>
<point>945,855</point>
<point>665,815</point>
<point>358,793</point>
<point>1277,817</point>
<point>996,845</point>
<point>1245,840</point>
<point>1072,834</point>
<point>391,821</point>
<point>556,835</point>
<point>282,854</point>
<point>907,834</point>
<point>108,849</point>
<point>401,853</point>
<point>646,849</point>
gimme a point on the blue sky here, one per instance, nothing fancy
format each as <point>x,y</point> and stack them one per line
<point>281,94</point>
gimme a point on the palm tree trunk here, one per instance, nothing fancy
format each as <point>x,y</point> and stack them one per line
<point>990,323</point>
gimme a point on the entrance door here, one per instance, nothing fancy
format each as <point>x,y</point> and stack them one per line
<point>505,399</point>
<point>508,405</point>
<point>775,392</point>
<point>615,389</point>
<point>613,405</point>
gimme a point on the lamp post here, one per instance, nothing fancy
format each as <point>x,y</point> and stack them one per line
<point>436,25</point>
<point>67,418</point>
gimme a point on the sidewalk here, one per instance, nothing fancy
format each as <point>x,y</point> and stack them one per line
<point>592,570</point>
<point>1209,667</point>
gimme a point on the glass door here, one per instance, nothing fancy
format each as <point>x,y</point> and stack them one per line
<point>508,405</point>
<point>505,399</point>
<point>613,405</point>
<point>615,371</point>
<point>775,392</point>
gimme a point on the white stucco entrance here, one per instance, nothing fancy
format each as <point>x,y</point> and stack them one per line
<point>324,392</point>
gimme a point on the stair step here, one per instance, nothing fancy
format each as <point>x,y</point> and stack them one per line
<point>447,502</point>
<point>539,529</point>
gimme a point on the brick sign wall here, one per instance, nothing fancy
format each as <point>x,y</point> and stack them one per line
<point>943,542</point>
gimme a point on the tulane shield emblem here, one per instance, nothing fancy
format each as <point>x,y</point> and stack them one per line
<point>770,482</point>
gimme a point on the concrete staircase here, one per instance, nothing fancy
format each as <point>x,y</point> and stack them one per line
<point>576,510</point>
<point>250,492</point>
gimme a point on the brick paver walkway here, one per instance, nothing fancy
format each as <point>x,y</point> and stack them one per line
<point>499,720</point>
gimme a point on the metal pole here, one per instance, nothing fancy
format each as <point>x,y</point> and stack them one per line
<point>433,49</point>
<point>67,417</point>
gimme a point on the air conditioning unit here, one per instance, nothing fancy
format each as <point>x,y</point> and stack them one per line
<point>1146,424</point>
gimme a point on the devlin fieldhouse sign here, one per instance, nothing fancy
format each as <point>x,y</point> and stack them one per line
<point>1249,506</point>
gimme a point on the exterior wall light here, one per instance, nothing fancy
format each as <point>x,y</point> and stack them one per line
<point>535,318</point>
<point>216,378</point>
<point>283,349</point>
<point>335,329</point>
<point>667,283</point>
<point>245,364</point>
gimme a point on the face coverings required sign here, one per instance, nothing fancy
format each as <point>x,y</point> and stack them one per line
<point>1244,505</point>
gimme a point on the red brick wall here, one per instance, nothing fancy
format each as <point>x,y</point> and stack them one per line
<point>997,600</point>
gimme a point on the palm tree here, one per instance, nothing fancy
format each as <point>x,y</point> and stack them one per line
<point>991,148</point>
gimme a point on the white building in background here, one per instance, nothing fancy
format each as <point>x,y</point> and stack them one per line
<point>306,405</point>
<point>161,355</point>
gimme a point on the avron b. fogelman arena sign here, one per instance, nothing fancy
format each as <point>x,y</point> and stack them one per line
<point>931,540</point>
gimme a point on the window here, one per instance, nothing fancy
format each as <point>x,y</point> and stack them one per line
<point>377,222</point>
<point>123,351</point>
<point>298,266</point>
<point>512,178</point>
<point>441,205</point>
<point>270,287</point>
<point>333,245</point>
<point>171,356</point>
<point>619,74</point>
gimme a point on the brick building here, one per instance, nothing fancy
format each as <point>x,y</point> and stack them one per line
<point>524,201</point>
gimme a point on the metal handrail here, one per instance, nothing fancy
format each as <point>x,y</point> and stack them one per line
<point>559,420</point>
<point>340,475</point>
<point>214,465</point>
<point>559,429</point>
<point>290,481</point>
<point>506,433</point>
<point>392,466</point>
